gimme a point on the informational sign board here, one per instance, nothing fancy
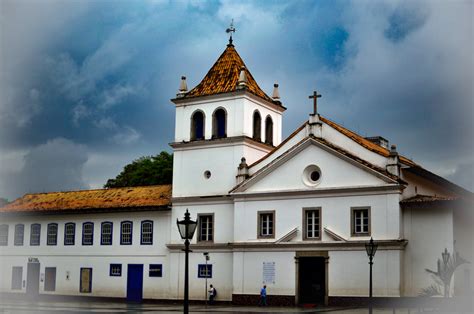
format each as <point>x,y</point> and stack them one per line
<point>269,273</point>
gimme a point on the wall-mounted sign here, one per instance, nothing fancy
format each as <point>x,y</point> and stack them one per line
<point>33,260</point>
<point>268,273</point>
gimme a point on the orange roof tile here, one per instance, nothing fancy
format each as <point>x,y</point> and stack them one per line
<point>129,197</point>
<point>419,198</point>
<point>365,142</point>
<point>223,77</point>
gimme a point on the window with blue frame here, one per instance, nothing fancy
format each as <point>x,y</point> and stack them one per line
<point>155,270</point>
<point>88,233</point>
<point>19,234</point>
<point>126,232</point>
<point>204,271</point>
<point>115,270</point>
<point>106,233</point>
<point>52,234</point>
<point>35,233</point>
<point>147,232</point>
<point>69,233</point>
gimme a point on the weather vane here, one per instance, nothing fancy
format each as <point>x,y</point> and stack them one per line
<point>230,30</point>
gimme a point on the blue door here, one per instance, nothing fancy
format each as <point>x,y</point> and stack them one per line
<point>135,283</point>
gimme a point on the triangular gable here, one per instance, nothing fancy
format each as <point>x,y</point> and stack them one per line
<point>339,169</point>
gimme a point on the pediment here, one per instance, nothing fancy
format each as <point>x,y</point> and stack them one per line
<point>330,167</point>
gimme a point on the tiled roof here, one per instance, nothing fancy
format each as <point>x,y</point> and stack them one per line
<point>419,198</point>
<point>365,142</point>
<point>359,160</point>
<point>116,198</point>
<point>223,77</point>
<point>354,136</point>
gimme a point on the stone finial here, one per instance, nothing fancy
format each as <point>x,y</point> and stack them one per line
<point>183,87</point>
<point>276,93</point>
<point>393,162</point>
<point>242,171</point>
<point>242,78</point>
<point>393,150</point>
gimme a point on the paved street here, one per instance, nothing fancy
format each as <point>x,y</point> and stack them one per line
<point>19,306</point>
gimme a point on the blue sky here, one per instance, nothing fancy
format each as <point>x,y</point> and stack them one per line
<point>85,85</point>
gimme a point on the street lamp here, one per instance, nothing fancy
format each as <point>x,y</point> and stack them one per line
<point>371,248</point>
<point>207,257</point>
<point>186,229</point>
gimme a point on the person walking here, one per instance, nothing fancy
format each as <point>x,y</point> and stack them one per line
<point>263,296</point>
<point>212,294</point>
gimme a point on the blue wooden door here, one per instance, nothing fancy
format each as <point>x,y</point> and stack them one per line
<point>135,283</point>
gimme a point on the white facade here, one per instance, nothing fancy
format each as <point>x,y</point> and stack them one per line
<point>316,199</point>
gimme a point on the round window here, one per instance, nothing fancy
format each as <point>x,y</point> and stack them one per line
<point>311,175</point>
<point>207,174</point>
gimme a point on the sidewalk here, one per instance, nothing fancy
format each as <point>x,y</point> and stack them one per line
<point>19,306</point>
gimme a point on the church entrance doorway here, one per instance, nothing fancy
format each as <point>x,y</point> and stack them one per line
<point>312,280</point>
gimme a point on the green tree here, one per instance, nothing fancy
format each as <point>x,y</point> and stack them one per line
<point>148,170</point>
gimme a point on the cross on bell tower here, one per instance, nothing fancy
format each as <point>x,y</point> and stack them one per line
<point>315,97</point>
<point>230,30</point>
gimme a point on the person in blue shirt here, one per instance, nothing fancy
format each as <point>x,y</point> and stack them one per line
<point>263,296</point>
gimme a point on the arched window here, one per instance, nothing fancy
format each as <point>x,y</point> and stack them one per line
<point>35,234</point>
<point>106,233</point>
<point>52,234</point>
<point>219,123</point>
<point>88,233</point>
<point>126,232</point>
<point>269,130</point>
<point>69,233</point>
<point>257,126</point>
<point>197,126</point>
<point>147,232</point>
<point>3,234</point>
<point>19,234</point>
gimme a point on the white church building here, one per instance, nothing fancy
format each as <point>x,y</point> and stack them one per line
<point>293,214</point>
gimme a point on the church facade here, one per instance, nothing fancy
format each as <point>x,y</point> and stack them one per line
<point>293,214</point>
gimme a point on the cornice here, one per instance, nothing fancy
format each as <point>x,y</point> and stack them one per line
<point>352,245</point>
<point>226,141</point>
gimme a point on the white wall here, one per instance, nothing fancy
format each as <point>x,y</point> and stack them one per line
<point>222,161</point>
<point>428,231</point>
<point>417,185</point>
<point>335,172</point>
<point>99,257</point>
<point>223,219</point>
<point>349,273</point>
<point>464,237</point>
<point>335,211</point>
<point>239,117</point>
<point>248,273</point>
<point>221,275</point>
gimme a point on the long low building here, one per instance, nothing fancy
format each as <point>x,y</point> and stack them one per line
<point>293,214</point>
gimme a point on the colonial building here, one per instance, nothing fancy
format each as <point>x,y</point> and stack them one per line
<point>292,214</point>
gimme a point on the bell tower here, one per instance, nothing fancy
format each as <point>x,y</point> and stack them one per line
<point>224,118</point>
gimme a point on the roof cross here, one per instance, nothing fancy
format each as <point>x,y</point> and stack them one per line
<point>230,30</point>
<point>315,97</point>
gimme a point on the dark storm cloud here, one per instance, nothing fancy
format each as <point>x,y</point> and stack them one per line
<point>101,74</point>
<point>54,166</point>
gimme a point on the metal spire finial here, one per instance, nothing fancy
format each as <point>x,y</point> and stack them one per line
<point>230,30</point>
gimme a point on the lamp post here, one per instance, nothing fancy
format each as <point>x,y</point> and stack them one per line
<point>206,256</point>
<point>186,229</point>
<point>371,248</point>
